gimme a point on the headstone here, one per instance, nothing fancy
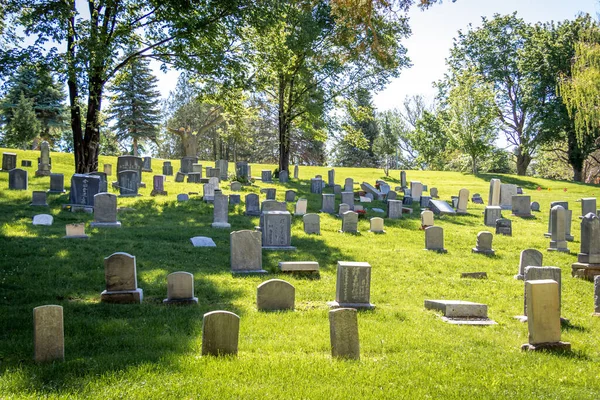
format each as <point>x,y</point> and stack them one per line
<point>147,164</point>
<point>158,185</point>
<point>167,168</point>
<point>476,199</point>
<point>235,186</point>
<point>521,206</point>
<point>220,333</point>
<point>208,192</point>
<point>275,295</point>
<point>597,296</point>
<point>221,212</point>
<point>108,169</point>
<point>463,198</point>
<point>440,207</point>
<point>426,219</point>
<point>457,308</point>
<point>504,227</point>
<point>284,176</point>
<point>349,222</point>
<point>57,184</point>
<point>403,179</point>
<point>416,190</point>
<point>121,280</point>
<point>394,209</point>
<point>558,240</point>
<point>246,252</point>
<point>424,201</point>
<point>331,178</point>
<point>186,164</point>
<point>507,191</point>
<point>25,163</point>
<point>529,257</point>
<point>17,179</point>
<point>296,171</point>
<point>252,204</point>
<point>38,198</point>
<point>270,193</point>
<point>454,201</point>
<point>491,214</point>
<point>242,170</point>
<point>484,243</point>
<point>316,185</point>
<point>43,219</point>
<point>272,205</point>
<point>290,196</point>
<point>312,223</point>
<point>534,273</point>
<point>128,183</point>
<point>343,208</point>
<point>371,191</point>
<point>235,199</point>
<point>180,289</point>
<point>343,334</point>
<point>83,190</point>
<point>494,197</point>
<point>353,285</point>
<point>277,230</point>
<point>349,185</point>
<point>568,217</point>
<point>48,334</point>
<point>328,203</point>
<point>223,167</point>
<point>130,163</point>
<point>337,190</point>
<point>202,241</point>
<point>9,161</point>
<point>44,162</point>
<point>103,181</point>
<point>535,206</point>
<point>588,259</point>
<point>213,173</point>
<point>197,168</point>
<point>183,197</point>
<point>588,205</point>
<point>75,231</point>
<point>366,199</point>
<point>407,200</point>
<point>519,190</point>
<point>266,175</point>
<point>179,177</point>
<point>300,208</point>
<point>433,192</point>
<point>377,225</point>
<point>384,188</point>
<point>378,210</point>
<point>295,266</point>
<point>392,195</point>
<point>434,239</point>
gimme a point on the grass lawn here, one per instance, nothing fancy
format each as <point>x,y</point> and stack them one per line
<point>151,351</point>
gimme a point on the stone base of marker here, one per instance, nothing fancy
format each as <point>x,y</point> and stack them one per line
<point>558,245</point>
<point>158,193</point>
<point>181,302</point>
<point>122,296</point>
<point>222,225</point>
<point>585,271</point>
<point>486,252</point>
<point>459,312</point>
<point>556,346</point>
<point>299,266</point>
<point>282,248</point>
<point>358,306</point>
<point>105,224</point>
<point>249,272</point>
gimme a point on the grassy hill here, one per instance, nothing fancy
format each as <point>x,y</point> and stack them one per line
<point>153,351</point>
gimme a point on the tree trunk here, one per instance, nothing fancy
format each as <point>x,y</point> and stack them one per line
<point>523,161</point>
<point>577,174</point>
<point>474,163</point>
<point>284,127</point>
<point>135,147</point>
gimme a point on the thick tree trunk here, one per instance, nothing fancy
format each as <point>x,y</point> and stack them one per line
<point>577,174</point>
<point>523,161</point>
<point>284,128</point>
<point>135,147</point>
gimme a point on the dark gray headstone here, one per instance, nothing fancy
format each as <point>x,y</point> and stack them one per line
<point>440,207</point>
<point>252,204</point>
<point>128,183</point>
<point>167,168</point>
<point>17,179</point>
<point>284,177</point>
<point>504,227</point>
<point>186,164</point>
<point>83,189</point>
<point>57,183</point>
<point>103,180</point>
<point>9,161</point>
<point>147,164</point>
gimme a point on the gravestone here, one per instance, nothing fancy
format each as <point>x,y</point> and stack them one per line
<point>424,202</point>
<point>290,196</point>
<point>463,198</point>
<point>185,166</point>
<point>343,334</point>
<point>403,179</point>
<point>121,280</point>
<point>147,164</point>
<point>343,208</point>
<point>130,163</point>
<point>484,243</point>
<point>197,169</point>
<point>454,201</point>
<point>519,190</point>
<point>337,190</point>
<point>458,309</point>
<point>353,286</point>
<point>521,206</point>
<point>9,161</point>
<point>183,197</point>
<point>295,266</point>
<point>105,211</point>
<point>312,223</point>
<point>128,183</point>
<point>440,207</point>
<point>349,185</point>
<point>235,186</point>
<point>377,225</point>
<point>48,334</point>
<point>568,217</point>
<point>108,169</point>
<point>507,191</point>
<point>348,198</point>
<point>349,222</point>
<point>246,252</point>
<point>392,195</point>
<point>504,227</point>
<point>275,295</point>
<point>371,191</point>
<point>44,162</point>
<point>316,185</point>
<point>296,171</point>
<point>266,175</point>
<point>277,230</point>
<point>588,205</point>
<point>57,184</point>
<point>223,167</point>
<point>202,241</point>
<point>17,179</point>
<point>270,193</point>
<point>213,173</point>
<point>167,168</point>
<point>221,212</point>
<point>158,185</point>
<point>331,178</point>
<point>433,192</point>
<point>535,206</point>
<point>242,170</point>
<point>596,296</point>
<point>383,187</point>
<point>220,333</point>
<point>83,190</point>
<point>284,176</point>
<point>426,219</point>
<point>75,231</point>
<point>416,190</point>
<point>588,258</point>
<point>434,239</point>
<point>328,203</point>
<point>43,219</point>
<point>476,199</point>
<point>252,204</point>
<point>208,192</point>
<point>494,197</point>
<point>179,177</point>
<point>38,198</point>
<point>534,273</point>
<point>407,200</point>
<point>25,163</point>
<point>235,199</point>
<point>272,205</point>
<point>529,257</point>
<point>103,181</point>
<point>180,289</point>
<point>558,240</point>
<point>491,214</point>
<point>394,209</point>
<point>300,208</point>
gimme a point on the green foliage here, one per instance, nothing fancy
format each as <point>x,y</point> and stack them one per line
<point>430,140</point>
<point>23,126</point>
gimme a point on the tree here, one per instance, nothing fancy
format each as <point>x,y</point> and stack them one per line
<point>135,102</point>
<point>386,144</point>
<point>430,140</point>
<point>23,126</point>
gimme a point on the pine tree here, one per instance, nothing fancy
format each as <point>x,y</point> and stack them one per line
<point>135,103</point>
<point>23,126</point>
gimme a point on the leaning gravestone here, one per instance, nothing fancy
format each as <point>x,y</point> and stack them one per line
<point>180,289</point>
<point>301,206</point>
<point>504,227</point>
<point>275,295</point>
<point>284,176</point>
<point>17,179</point>
<point>277,230</point>
<point>252,204</point>
<point>121,280</point>
<point>147,164</point>
<point>221,212</point>
<point>529,257</point>
<point>220,333</point>
<point>44,162</point>
<point>316,185</point>
<point>558,240</point>
<point>128,183</point>
<point>484,243</point>
<point>290,196</point>
<point>246,252</point>
<point>9,161</point>
<point>434,239</point>
<point>57,184</point>
<point>491,214</point>
<point>48,334</point>
<point>377,225</point>
<point>312,223</point>
<point>43,219</point>
<point>179,177</point>
<point>353,286</point>
<point>38,198</point>
<point>521,206</point>
<point>588,259</point>
<point>83,190</point>
<point>440,207</point>
<point>349,222</point>
<point>394,209</point>
<point>343,334</point>
<point>328,203</point>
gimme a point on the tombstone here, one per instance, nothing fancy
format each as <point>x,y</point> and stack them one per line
<point>270,193</point>
<point>275,295</point>
<point>284,176</point>
<point>183,197</point>
<point>300,208</point>
<point>202,241</point>
<point>43,219</point>
<point>266,175</point>
<point>507,191</point>
<point>353,286</point>
<point>105,211</point>
<point>543,316</point>
<point>596,296</point>
<point>235,186</point>
<point>103,181</point>
<point>568,217</point>
<point>328,203</point>
<point>38,198</point>
<point>186,164</point>
<point>312,223</point>
<point>272,205</point>
<point>128,183</point>
<point>535,206</point>
<point>454,201</point>
<point>588,258</point>
<point>223,167</point>
<point>9,161</point>
<point>290,196</point>
<point>521,206</point>
<point>558,240</point>
<point>180,289</point>
<point>331,178</point>
<point>348,198</point>
<point>221,212</point>
<point>476,199</point>
<point>337,190</point>
<point>179,177</point>
<point>130,163</point>
<point>440,207</point>
<point>372,192</point>
<point>384,188</point>
<point>167,168</point>
<point>349,222</point>
<point>57,184</point>
<point>252,204</point>
<point>17,179</point>
<point>197,169</point>
<point>588,205</point>
<point>48,334</point>
<point>343,334</point>
<point>83,190</point>
<point>316,185</point>
<point>296,172</point>
<point>25,163</point>
<point>424,201</point>
<point>376,225</point>
<point>519,190</point>
<point>491,214</point>
<point>433,192</point>
<point>343,208</point>
<point>235,199</point>
<point>426,219</point>
<point>108,169</point>
<point>392,195</point>
<point>277,230</point>
<point>208,192</point>
<point>242,170</point>
<point>529,257</point>
<point>246,252</point>
<point>434,239</point>
<point>403,179</point>
<point>75,231</point>
<point>121,280</point>
<point>213,173</point>
<point>147,164</point>
<point>504,227</point>
<point>407,200</point>
<point>494,197</point>
<point>44,162</point>
<point>484,243</point>
<point>416,190</point>
<point>534,273</point>
<point>394,209</point>
<point>349,185</point>
<point>220,333</point>
<point>158,185</point>
<point>463,198</point>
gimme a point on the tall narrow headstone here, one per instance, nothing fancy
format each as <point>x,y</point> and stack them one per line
<point>105,211</point>
<point>331,178</point>
<point>296,171</point>
<point>44,162</point>
<point>353,285</point>
<point>434,239</point>
<point>394,209</point>
<point>220,333</point>
<point>534,273</point>
<point>17,179</point>
<point>463,198</point>
<point>180,289</point>
<point>147,164</point>
<point>588,258</point>
<point>403,179</point>
<point>558,240</point>
<point>158,185</point>
<point>494,197</point>
<point>328,203</point>
<point>343,334</point>
<point>349,222</point>
<point>242,171</point>
<point>416,190</point>
<point>312,223</point>
<point>48,334</point>
<point>223,167</point>
<point>9,161</point>
<point>529,257</point>
<point>349,185</point>
<point>246,252</point>
<point>221,212</point>
<point>275,295</point>
<point>121,280</point>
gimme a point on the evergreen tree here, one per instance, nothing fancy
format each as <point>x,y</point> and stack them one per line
<point>135,103</point>
<point>23,126</point>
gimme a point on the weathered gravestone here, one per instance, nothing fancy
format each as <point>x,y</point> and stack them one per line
<point>348,198</point>
<point>128,183</point>
<point>270,193</point>
<point>588,258</point>
<point>296,171</point>
<point>108,169</point>
<point>183,197</point>
<point>328,203</point>
<point>220,333</point>
<point>158,185</point>
<point>235,199</point>
<point>403,179</point>
<point>426,219</point>
<point>185,166</point>
<point>316,185</point>
<point>504,227</point>
<point>17,179</point>
<point>202,241</point>
<point>377,225</point>
<point>343,208</point>
<point>180,289</point>
<point>491,215</point>
<point>246,252</point>
<point>296,266</point>
<point>266,175</point>
<point>277,230</point>
<point>535,206</point>
<point>494,197</point>
<point>284,176</point>
<point>484,243</point>
<point>121,280</point>
<point>394,209</point>
<point>221,212</point>
<point>242,170</point>
<point>558,240</point>
<point>568,217</point>
<point>349,222</point>
<point>130,163</point>
<point>197,169</point>
<point>252,204</point>
<point>290,196</point>
<point>371,191</point>
<point>507,191</point>
<point>434,239</point>
<point>75,231</point>
<point>463,199</point>
<point>337,190</point>
<point>353,285</point>
<point>147,164</point>
<point>300,208</point>
<point>312,223</point>
<point>275,295</point>
<point>588,205</point>
<point>476,199</point>
<point>331,178</point>
<point>103,181</point>
<point>392,195</point>
<point>272,205</point>
<point>521,206</point>
<point>433,192</point>
<point>208,192</point>
<point>83,190</point>
<point>534,273</point>
<point>167,168</point>
<point>44,161</point>
<point>235,186</point>
<point>440,207</point>
<point>424,202</point>
<point>38,198</point>
<point>343,334</point>
<point>57,184</point>
<point>529,257</point>
<point>349,185</point>
<point>223,167</point>
<point>179,177</point>
<point>416,190</point>
<point>9,161</point>
<point>43,219</point>
<point>48,334</point>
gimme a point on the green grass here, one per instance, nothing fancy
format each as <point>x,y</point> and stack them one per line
<point>153,351</point>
